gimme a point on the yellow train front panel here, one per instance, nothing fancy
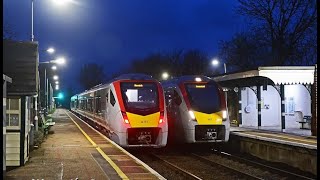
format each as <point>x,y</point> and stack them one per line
<point>140,121</point>
<point>208,119</point>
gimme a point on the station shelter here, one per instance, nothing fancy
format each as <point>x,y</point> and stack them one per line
<point>272,98</point>
<point>20,62</point>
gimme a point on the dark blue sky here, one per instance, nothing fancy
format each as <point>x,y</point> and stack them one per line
<point>114,32</point>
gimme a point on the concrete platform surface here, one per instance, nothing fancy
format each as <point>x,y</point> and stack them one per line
<point>309,142</point>
<point>65,154</point>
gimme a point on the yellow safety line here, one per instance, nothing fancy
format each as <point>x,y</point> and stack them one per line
<point>115,167</point>
<point>290,138</point>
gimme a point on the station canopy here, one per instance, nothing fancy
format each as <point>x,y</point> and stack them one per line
<point>271,75</point>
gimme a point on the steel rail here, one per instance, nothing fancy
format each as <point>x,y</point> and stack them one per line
<point>274,169</point>
<point>199,157</point>
<point>182,171</point>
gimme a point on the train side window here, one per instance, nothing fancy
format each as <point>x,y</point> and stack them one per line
<point>107,96</point>
<point>112,99</point>
<point>98,106</point>
<point>177,99</point>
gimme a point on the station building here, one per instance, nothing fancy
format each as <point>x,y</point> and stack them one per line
<point>275,98</point>
<point>20,62</point>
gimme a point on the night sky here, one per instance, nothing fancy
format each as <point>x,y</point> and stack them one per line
<point>114,32</point>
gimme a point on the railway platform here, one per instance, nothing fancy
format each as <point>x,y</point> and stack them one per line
<point>298,151</point>
<point>73,150</point>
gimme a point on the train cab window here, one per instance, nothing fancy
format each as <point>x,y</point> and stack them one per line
<point>204,97</point>
<point>177,99</point>
<point>112,99</point>
<point>140,97</point>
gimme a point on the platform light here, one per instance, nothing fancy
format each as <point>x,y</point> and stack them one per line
<point>215,62</point>
<point>57,82</point>
<point>165,76</point>
<point>50,50</point>
<point>60,60</point>
<point>54,67</point>
<point>61,2</point>
<point>55,77</point>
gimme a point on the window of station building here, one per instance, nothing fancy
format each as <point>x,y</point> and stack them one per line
<point>13,113</point>
<point>112,99</point>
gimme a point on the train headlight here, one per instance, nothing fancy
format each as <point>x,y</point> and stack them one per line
<point>161,119</point>
<point>192,115</point>
<point>224,115</point>
<point>125,118</point>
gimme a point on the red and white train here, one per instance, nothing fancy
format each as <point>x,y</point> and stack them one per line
<point>130,110</point>
<point>197,111</point>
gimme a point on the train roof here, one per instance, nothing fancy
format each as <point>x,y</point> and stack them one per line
<point>132,76</point>
<point>188,78</point>
<point>135,76</point>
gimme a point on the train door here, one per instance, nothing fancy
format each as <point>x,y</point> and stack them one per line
<point>112,111</point>
<point>107,105</point>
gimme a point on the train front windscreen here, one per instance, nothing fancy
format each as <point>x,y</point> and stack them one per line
<point>204,97</point>
<point>140,98</point>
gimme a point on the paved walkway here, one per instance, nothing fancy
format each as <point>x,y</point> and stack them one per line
<point>65,154</point>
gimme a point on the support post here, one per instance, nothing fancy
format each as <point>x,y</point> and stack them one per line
<point>282,95</point>
<point>259,105</point>
<point>240,107</point>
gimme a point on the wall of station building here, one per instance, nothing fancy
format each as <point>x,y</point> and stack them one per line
<point>297,98</point>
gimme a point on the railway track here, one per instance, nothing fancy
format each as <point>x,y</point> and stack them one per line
<point>186,166</point>
<point>236,171</point>
<point>185,173</point>
<point>255,164</point>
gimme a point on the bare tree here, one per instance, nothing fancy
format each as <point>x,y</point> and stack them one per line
<point>243,52</point>
<point>90,75</point>
<point>288,27</point>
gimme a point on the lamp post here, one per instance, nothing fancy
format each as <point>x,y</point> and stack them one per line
<point>215,62</point>
<point>46,80</point>
<point>32,36</point>
<point>58,2</point>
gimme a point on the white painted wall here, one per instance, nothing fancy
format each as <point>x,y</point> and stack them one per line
<point>249,99</point>
<point>301,101</point>
<point>270,107</point>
